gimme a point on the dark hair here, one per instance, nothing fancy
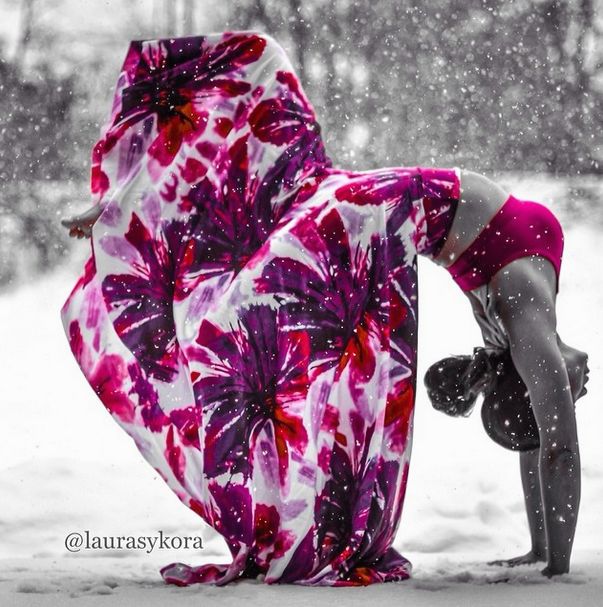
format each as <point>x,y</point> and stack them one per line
<point>454,383</point>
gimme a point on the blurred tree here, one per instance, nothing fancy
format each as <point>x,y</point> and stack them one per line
<point>26,28</point>
<point>170,17</point>
<point>38,167</point>
<point>568,26</point>
<point>189,22</point>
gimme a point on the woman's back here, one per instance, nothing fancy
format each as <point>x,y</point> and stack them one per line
<point>479,201</point>
<point>495,233</point>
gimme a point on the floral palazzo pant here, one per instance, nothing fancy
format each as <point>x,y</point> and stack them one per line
<point>248,312</point>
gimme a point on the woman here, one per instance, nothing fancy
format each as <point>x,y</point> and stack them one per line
<point>248,313</point>
<point>505,254</point>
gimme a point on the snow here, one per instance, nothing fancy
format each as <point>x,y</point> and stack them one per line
<point>66,466</point>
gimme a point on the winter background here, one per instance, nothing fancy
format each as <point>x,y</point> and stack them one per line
<point>511,88</point>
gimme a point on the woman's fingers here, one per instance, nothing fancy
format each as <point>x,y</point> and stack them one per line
<point>77,227</point>
<point>77,232</point>
<point>525,559</point>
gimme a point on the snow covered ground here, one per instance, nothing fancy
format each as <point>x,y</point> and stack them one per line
<point>66,466</point>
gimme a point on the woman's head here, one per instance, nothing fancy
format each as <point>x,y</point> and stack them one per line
<point>507,413</point>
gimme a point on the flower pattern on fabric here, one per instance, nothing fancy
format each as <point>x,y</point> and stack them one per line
<point>257,376</point>
<point>248,313</point>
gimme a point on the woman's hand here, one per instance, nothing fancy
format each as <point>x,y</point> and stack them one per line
<point>526,559</point>
<point>80,226</point>
<point>551,571</point>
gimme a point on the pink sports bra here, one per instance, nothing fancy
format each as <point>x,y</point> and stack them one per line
<point>520,228</point>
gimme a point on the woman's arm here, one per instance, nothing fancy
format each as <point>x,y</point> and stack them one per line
<point>530,480</point>
<point>525,299</point>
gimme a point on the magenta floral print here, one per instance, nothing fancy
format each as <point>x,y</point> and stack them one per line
<point>248,312</point>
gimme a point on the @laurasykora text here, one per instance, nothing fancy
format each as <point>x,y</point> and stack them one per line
<point>76,541</point>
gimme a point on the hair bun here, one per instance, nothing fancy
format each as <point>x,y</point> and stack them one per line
<point>447,386</point>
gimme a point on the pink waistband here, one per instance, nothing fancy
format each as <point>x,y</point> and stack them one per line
<point>520,228</point>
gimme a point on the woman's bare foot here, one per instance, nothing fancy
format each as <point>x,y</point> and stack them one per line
<point>552,571</point>
<point>80,226</point>
<point>526,559</point>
